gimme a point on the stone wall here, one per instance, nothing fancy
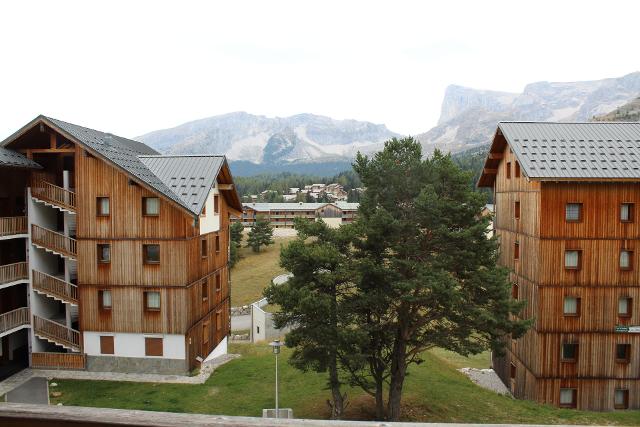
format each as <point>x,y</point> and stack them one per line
<point>140,365</point>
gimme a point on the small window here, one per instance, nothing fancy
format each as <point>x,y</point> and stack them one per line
<point>205,333</point>
<point>203,248</point>
<point>515,291</point>
<point>621,399</point>
<point>104,300</point>
<point>205,290</point>
<point>571,306</point>
<point>569,352</point>
<point>517,210</point>
<point>106,344</point>
<point>102,206</point>
<point>152,346</point>
<point>513,371</point>
<point>573,212</point>
<point>218,283</point>
<point>568,397</point>
<point>151,254</point>
<point>517,169</point>
<point>216,204</point>
<point>152,301</point>
<point>572,259</point>
<point>104,254</point>
<point>516,251</point>
<point>217,243</point>
<point>626,259</point>
<point>218,320</point>
<point>626,212</point>
<point>623,353</point>
<point>150,206</point>
<point>204,210</point>
<point>508,170</point>
<point>625,306</point>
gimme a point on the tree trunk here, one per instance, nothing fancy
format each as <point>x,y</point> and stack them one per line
<point>398,373</point>
<point>379,400</point>
<point>337,404</point>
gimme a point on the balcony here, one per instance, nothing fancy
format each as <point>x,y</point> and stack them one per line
<point>58,360</point>
<point>55,287</point>
<point>56,333</point>
<point>13,319</point>
<point>53,242</point>
<point>53,195</point>
<point>13,273</point>
<point>13,226</point>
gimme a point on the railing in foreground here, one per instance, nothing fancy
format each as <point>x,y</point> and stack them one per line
<point>58,360</point>
<point>10,225</point>
<point>14,318</point>
<point>48,192</point>
<point>55,287</point>
<point>54,241</point>
<point>56,332</point>
<point>12,272</point>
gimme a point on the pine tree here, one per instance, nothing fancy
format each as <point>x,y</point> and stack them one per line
<point>261,234</point>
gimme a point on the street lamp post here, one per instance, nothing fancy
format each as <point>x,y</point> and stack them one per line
<point>275,345</point>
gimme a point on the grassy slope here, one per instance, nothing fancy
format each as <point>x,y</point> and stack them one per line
<point>254,272</point>
<point>434,391</point>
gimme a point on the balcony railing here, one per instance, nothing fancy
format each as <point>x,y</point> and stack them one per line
<point>11,225</point>
<point>58,360</point>
<point>57,333</point>
<point>55,287</point>
<point>53,241</point>
<point>53,194</point>
<point>12,272</point>
<point>13,319</point>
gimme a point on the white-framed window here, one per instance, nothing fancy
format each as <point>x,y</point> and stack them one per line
<point>571,306</point>
<point>573,212</point>
<point>572,259</point>
<point>568,397</point>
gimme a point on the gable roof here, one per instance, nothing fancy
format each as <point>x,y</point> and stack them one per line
<point>567,151</point>
<point>136,159</point>
<point>15,159</point>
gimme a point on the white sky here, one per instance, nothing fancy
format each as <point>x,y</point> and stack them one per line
<point>130,67</point>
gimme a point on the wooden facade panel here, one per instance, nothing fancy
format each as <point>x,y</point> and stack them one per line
<point>514,183</point>
<point>528,253</point>
<point>205,335</point>
<point>591,394</point>
<point>505,215</point>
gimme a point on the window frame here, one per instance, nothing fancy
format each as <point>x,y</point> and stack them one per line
<point>625,404</point>
<point>516,169</point>
<point>516,209</point>
<point>516,251</point>
<point>630,257</point>
<point>627,358</point>
<point>574,398</point>
<point>217,243</point>
<point>145,254</point>
<point>205,332</point>
<point>578,306</point>
<point>204,248</point>
<point>216,204</point>
<point>631,212</point>
<point>580,209</point>
<point>99,205</point>
<point>574,359</point>
<point>578,265</point>
<point>145,212</point>
<point>218,282</point>
<point>146,302</point>
<point>508,166</point>
<point>99,253</point>
<point>204,290</point>
<point>104,338</point>
<point>147,346</point>
<point>219,320</point>
<point>629,311</point>
<point>101,305</point>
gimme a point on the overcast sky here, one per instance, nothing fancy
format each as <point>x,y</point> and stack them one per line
<point>130,67</point>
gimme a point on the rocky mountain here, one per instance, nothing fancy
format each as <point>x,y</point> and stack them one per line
<point>629,112</point>
<point>469,116</point>
<point>277,141</point>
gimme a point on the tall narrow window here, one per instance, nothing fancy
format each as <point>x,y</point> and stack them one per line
<point>218,320</point>
<point>626,212</point>
<point>517,210</point>
<point>516,251</point>
<point>151,254</point>
<point>621,399</point>
<point>104,253</point>
<point>568,397</point>
<point>508,170</point>
<point>152,301</point>
<point>517,169</point>
<point>572,259</point>
<point>515,291</point>
<point>102,206</point>
<point>571,306</point>
<point>150,206</point>
<point>513,371</point>
<point>204,210</point>
<point>573,212</point>
<point>203,248</point>
<point>626,257</point>
<point>216,204</point>
<point>569,352</point>
<point>625,305</point>
<point>205,333</point>
<point>205,290</point>
<point>623,353</point>
<point>218,283</point>
<point>217,243</point>
<point>104,299</point>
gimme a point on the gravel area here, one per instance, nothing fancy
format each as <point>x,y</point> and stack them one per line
<point>486,378</point>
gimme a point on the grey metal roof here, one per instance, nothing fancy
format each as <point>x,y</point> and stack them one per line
<point>598,150</point>
<point>347,206</point>
<point>189,177</point>
<point>14,159</point>
<point>265,207</point>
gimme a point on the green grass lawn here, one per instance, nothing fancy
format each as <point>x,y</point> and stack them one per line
<point>434,391</point>
<point>254,272</point>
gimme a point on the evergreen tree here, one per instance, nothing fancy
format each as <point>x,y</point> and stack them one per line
<point>236,231</point>
<point>261,234</point>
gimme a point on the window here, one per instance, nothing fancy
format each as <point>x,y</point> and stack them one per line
<point>204,210</point>
<point>102,206</point>
<point>517,170</point>
<point>205,290</point>
<point>104,300</point>
<point>571,306</point>
<point>152,346</point>
<point>216,206</point>
<point>517,210</point>
<point>623,353</point>
<point>104,254</point>
<point>625,305</point>
<point>151,254</point>
<point>516,251</point>
<point>218,320</point>
<point>573,212</point>
<point>568,397</point>
<point>508,170</point>
<point>218,283</point>
<point>152,301</point>
<point>513,371</point>
<point>626,257</point>
<point>106,345</point>
<point>572,259</point>
<point>217,243</point>
<point>205,332</point>
<point>515,291</point>
<point>150,206</point>
<point>626,212</point>
<point>569,352</point>
<point>621,399</point>
<point>203,248</point>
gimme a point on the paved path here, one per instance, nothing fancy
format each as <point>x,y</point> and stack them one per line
<point>34,391</point>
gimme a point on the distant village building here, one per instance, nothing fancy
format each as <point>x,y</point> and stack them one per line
<point>566,216</point>
<point>334,192</point>
<point>282,215</point>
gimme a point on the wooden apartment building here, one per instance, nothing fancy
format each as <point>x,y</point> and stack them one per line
<point>112,257</point>
<point>282,215</point>
<point>567,216</point>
